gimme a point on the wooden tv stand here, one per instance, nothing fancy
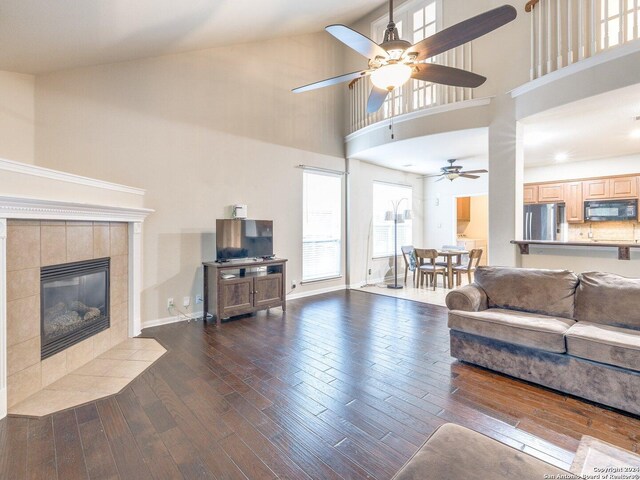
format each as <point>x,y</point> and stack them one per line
<point>255,285</point>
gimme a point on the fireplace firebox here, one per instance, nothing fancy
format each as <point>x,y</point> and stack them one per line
<point>74,303</point>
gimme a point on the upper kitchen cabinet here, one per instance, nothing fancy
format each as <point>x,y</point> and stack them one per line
<point>551,193</point>
<point>531,194</point>
<point>597,189</point>
<point>574,202</point>
<point>464,209</point>
<point>623,187</point>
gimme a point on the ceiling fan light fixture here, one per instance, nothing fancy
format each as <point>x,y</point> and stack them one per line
<point>391,76</point>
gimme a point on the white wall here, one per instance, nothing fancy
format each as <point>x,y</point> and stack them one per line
<point>602,167</point>
<point>361,178</point>
<point>17,121</point>
<point>199,131</point>
<point>440,223</point>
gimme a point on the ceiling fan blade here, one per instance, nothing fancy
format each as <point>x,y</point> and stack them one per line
<point>462,32</point>
<point>376,99</point>
<point>477,171</point>
<point>332,81</point>
<point>465,175</point>
<point>355,40</point>
<point>431,72</point>
<point>440,179</point>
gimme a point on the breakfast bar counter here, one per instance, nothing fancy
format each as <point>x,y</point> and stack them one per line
<point>624,248</point>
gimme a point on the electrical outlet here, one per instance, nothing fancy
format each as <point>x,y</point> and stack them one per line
<point>170,303</point>
<point>186,301</point>
<point>369,271</point>
<point>293,284</point>
<point>198,299</point>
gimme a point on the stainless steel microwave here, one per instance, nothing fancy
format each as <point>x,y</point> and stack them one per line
<point>610,210</point>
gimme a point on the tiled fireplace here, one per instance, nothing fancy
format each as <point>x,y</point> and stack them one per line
<point>65,280</point>
<point>51,223</point>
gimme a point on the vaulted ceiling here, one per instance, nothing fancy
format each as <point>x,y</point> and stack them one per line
<point>39,36</point>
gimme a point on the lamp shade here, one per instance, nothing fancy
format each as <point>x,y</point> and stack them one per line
<point>391,76</point>
<point>389,216</point>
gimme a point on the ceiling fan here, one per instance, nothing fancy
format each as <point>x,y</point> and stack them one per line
<point>395,61</point>
<point>451,172</point>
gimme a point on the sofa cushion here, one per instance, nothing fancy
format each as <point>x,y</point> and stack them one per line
<point>605,344</point>
<point>548,292</point>
<point>454,452</point>
<point>608,299</point>
<point>521,328</point>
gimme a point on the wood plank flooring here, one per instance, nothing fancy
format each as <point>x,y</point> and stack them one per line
<point>346,385</point>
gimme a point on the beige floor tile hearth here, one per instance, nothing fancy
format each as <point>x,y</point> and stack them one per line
<point>105,375</point>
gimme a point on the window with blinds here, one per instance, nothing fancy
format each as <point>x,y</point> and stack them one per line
<point>385,195</point>
<point>322,226</point>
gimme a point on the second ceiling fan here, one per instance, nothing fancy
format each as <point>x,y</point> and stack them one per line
<point>395,61</point>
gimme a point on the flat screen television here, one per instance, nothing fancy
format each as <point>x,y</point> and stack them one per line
<point>238,239</point>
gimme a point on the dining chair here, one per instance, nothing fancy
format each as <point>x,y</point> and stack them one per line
<point>430,269</point>
<point>474,259</point>
<point>410,263</point>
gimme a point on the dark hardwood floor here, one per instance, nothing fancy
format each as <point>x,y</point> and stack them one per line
<point>346,385</point>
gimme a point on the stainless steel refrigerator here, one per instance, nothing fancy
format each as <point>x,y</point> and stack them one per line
<point>543,221</point>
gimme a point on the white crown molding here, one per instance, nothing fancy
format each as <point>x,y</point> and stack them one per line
<point>36,209</point>
<point>34,170</point>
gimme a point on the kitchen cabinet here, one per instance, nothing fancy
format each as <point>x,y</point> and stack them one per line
<point>531,194</point>
<point>623,187</point>
<point>597,189</point>
<point>551,193</point>
<point>464,209</point>
<point>574,204</point>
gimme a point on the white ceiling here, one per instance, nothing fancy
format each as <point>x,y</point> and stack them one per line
<point>426,155</point>
<point>39,36</point>
<point>596,127</point>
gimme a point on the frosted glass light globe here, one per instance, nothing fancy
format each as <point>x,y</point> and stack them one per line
<point>391,76</point>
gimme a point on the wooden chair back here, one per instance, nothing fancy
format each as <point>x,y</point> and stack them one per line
<point>474,258</point>
<point>426,254</point>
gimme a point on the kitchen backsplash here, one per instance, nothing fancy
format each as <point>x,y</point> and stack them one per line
<point>603,231</point>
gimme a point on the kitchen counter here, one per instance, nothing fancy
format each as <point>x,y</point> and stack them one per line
<point>624,247</point>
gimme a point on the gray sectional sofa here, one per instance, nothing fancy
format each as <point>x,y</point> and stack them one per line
<point>576,334</point>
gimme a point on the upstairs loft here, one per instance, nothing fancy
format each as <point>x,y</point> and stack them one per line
<point>562,36</point>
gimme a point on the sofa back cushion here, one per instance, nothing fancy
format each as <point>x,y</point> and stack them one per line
<point>608,299</point>
<point>548,292</point>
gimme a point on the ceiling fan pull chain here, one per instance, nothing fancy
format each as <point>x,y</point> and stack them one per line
<point>393,114</point>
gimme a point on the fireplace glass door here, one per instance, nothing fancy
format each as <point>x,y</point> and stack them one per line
<point>74,303</point>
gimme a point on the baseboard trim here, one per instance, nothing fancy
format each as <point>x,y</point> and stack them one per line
<point>173,319</point>
<point>195,315</point>
<point>318,291</point>
<point>3,403</point>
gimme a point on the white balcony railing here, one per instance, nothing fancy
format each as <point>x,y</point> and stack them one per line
<point>415,95</point>
<point>566,31</point>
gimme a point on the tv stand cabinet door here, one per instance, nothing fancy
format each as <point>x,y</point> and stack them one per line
<point>235,297</point>
<point>268,291</point>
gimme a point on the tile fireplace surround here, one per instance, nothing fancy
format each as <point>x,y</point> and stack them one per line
<point>32,244</point>
<point>37,232</point>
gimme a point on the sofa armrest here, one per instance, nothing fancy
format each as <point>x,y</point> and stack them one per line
<point>470,298</point>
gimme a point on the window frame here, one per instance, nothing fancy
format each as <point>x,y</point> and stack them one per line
<point>340,240</point>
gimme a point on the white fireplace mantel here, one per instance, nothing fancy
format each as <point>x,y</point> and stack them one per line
<point>30,208</point>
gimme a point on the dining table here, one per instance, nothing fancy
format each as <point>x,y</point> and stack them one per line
<point>450,255</point>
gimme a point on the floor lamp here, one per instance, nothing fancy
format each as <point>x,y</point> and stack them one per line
<point>393,215</point>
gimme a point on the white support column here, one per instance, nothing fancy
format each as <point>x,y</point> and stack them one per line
<point>3,317</point>
<point>135,278</point>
